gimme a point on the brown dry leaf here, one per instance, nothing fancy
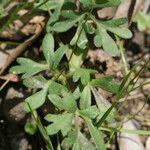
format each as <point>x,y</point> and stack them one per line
<point>14,53</point>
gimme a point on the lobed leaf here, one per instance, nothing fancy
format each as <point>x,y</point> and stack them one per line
<point>64,26</point>
<point>83,75</point>
<point>36,100</point>
<point>56,100</point>
<point>25,65</point>
<point>35,82</point>
<point>67,103</point>
<point>91,112</point>
<point>61,123</point>
<point>56,88</point>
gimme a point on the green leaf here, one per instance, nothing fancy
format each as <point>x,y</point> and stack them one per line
<point>88,3</point>
<point>58,55</point>
<point>61,123</point>
<point>42,130</point>
<point>96,135</point>
<point>92,112</point>
<point>69,14</point>
<point>103,106</point>
<point>114,22</point>
<point>110,48</point>
<point>82,42</point>
<point>44,134</point>
<point>80,37</point>
<point>56,100</point>
<point>76,59</point>
<point>83,75</point>
<point>30,127</point>
<point>45,5</point>
<point>35,82</point>
<point>122,32</point>
<point>76,146</point>
<point>69,140</point>
<point>36,100</point>
<point>106,84</point>
<point>69,5</point>
<point>67,103</point>
<point>48,48</point>
<point>64,26</point>
<point>85,99</point>
<point>24,66</point>
<point>77,92</point>
<point>82,143</point>
<point>98,40</point>
<point>55,15</point>
<point>56,88</point>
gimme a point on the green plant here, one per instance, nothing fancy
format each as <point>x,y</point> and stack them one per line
<point>74,105</point>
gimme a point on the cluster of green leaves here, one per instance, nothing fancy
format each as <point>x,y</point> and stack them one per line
<point>72,105</point>
<point>65,101</point>
<point>65,17</point>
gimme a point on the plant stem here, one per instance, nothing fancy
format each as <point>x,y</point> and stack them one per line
<point>4,84</point>
<point>121,49</point>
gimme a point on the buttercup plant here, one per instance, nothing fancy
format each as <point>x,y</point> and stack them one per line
<point>72,105</point>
